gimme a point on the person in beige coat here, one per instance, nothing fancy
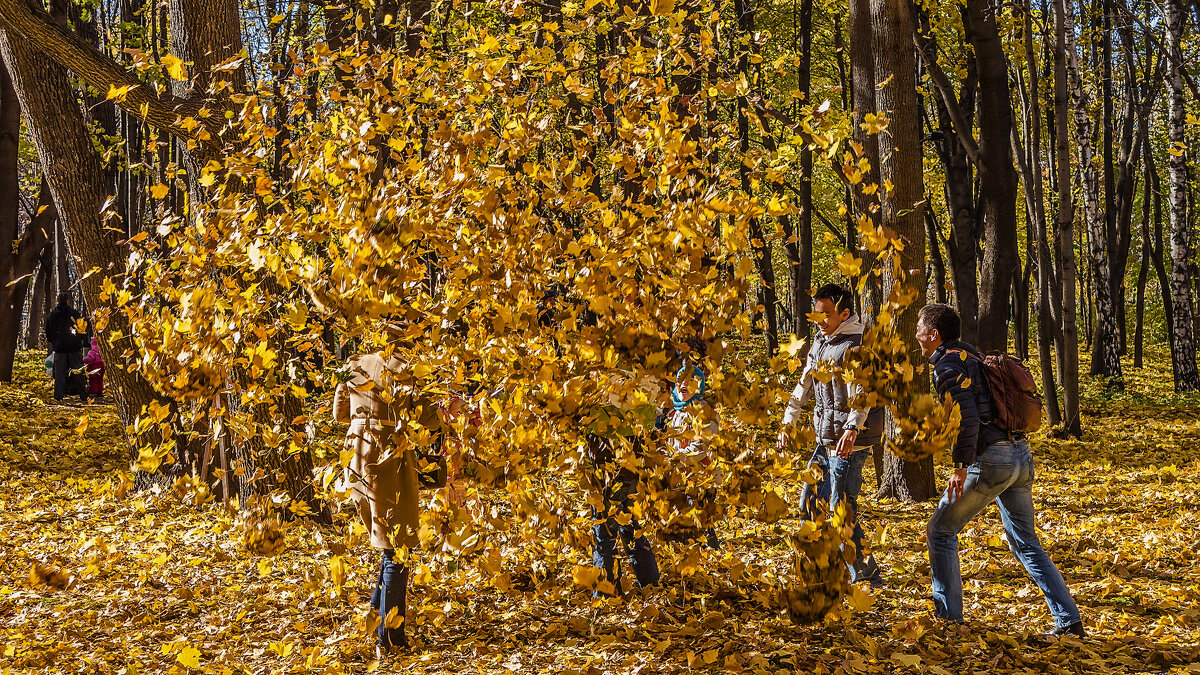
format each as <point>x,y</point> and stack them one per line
<point>384,409</point>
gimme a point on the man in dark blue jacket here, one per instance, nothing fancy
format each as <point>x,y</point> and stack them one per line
<point>991,464</point>
<point>67,343</point>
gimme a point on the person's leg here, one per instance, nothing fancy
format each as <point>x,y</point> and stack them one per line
<point>377,594</point>
<point>393,601</point>
<point>604,541</point>
<point>1019,515</point>
<point>845,484</point>
<point>637,547</point>
<point>984,482</point>
<point>77,375</point>
<point>813,494</point>
<point>61,367</point>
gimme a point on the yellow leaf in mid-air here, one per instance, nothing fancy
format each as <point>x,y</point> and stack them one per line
<point>189,657</point>
<point>794,345</point>
<point>159,191</point>
<point>873,124</point>
<point>174,67</point>
<point>118,93</point>
<point>848,265</point>
<point>83,425</point>
<point>816,316</point>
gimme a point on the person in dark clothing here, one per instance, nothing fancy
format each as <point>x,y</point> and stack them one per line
<point>619,485</point>
<point>991,464</point>
<point>66,340</point>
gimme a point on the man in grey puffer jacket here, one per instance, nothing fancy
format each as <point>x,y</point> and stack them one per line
<point>844,435</point>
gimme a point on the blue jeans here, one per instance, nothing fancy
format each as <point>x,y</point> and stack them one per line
<point>841,480</point>
<point>618,500</point>
<point>1002,473</point>
<point>391,592</point>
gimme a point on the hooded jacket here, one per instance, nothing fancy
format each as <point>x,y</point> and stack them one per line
<point>831,410</point>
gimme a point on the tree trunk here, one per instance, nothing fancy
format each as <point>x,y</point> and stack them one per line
<point>1183,345</point>
<point>998,178</point>
<point>904,205</point>
<point>75,176</point>
<point>1069,350</point>
<point>19,251</point>
<point>39,303</point>
<point>1106,348</point>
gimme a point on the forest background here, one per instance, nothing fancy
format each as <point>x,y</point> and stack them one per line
<point>549,197</point>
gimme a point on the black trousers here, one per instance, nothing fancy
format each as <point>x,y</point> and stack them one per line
<point>69,377</point>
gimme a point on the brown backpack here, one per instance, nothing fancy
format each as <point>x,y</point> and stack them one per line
<point>1016,404</point>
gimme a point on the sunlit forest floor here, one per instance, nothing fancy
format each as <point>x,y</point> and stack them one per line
<point>153,585</point>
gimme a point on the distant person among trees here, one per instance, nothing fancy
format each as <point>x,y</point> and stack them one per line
<point>844,434</point>
<point>95,370</point>
<point>64,334</point>
<point>992,464</point>
<point>382,475</point>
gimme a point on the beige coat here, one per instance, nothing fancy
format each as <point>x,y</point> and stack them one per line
<point>382,474</point>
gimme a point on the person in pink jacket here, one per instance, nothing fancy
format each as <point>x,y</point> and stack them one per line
<point>95,371</point>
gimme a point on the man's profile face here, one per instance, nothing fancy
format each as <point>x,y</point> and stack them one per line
<point>928,338</point>
<point>832,319</point>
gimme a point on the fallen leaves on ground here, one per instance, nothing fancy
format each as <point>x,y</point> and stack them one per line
<point>95,578</point>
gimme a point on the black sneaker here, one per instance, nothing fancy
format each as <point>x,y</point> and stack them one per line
<point>1075,629</point>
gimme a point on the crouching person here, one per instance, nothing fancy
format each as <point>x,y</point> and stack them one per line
<point>992,464</point>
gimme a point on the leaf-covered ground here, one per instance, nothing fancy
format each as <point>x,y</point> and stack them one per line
<point>155,585</point>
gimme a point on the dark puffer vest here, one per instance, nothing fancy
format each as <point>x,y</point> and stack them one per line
<point>832,399</point>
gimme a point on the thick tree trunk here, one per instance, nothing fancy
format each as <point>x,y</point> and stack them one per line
<point>1069,349</point>
<point>25,256</point>
<point>1183,345</point>
<point>75,176</point>
<point>999,180</point>
<point>904,206</point>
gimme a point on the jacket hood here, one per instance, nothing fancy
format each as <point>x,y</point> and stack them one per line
<point>851,326</point>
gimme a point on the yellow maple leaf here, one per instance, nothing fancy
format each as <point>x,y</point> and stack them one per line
<point>159,191</point>
<point>174,67</point>
<point>118,93</point>
<point>848,265</point>
<point>189,657</point>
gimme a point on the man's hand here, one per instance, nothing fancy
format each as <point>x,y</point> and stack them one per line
<point>845,444</point>
<point>957,484</point>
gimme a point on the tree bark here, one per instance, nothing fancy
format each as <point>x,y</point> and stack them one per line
<point>1183,346</point>
<point>73,171</point>
<point>904,205</point>
<point>1106,348</point>
<point>19,251</point>
<point>1069,350</point>
<point>998,178</point>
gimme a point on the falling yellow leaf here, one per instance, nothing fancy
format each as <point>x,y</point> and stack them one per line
<point>174,67</point>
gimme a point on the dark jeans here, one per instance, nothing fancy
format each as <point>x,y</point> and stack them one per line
<point>69,379</point>
<point>391,592</point>
<point>1004,474</point>
<point>618,500</point>
<point>841,479</point>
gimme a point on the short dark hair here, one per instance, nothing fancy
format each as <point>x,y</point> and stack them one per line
<point>942,318</point>
<point>65,298</point>
<point>839,295</point>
